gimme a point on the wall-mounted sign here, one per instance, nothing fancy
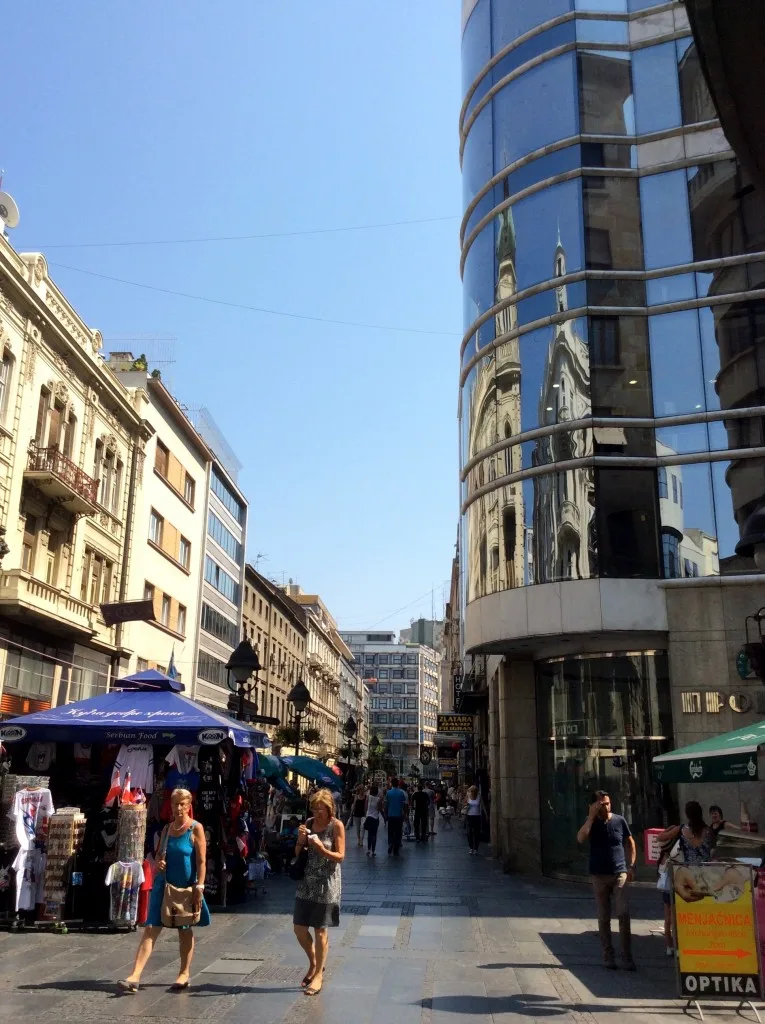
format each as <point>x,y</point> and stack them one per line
<point>128,611</point>
<point>456,723</point>
<point>693,702</point>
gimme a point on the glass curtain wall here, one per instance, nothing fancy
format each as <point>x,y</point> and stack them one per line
<point>595,313</point>
<point>601,719</point>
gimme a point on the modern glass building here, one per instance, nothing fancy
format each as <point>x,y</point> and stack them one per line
<point>611,421</point>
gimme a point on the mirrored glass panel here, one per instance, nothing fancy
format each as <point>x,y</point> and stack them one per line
<point>666,223</point>
<point>676,367</point>
<point>695,101</point>
<point>481,414</point>
<point>739,329</point>
<point>670,289</point>
<point>627,523</point>
<point>608,154</point>
<point>605,89</point>
<point>539,44</point>
<point>739,490</point>
<point>511,20</point>
<point>477,161</point>
<point>688,527</point>
<point>680,440</point>
<point>543,167</point>
<point>555,370</point>
<point>657,93</point>
<point>616,6</point>
<point>611,291</point>
<point>484,205</point>
<point>727,214</point>
<point>476,43</point>
<point>550,86</point>
<point>621,379</point>
<point>710,356</point>
<point>563,533</point>
<point>542,224</point>
<point>478,277</point>
<point>589,31</point>
<point>612,234</point>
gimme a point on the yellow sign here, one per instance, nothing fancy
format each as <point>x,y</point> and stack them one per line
<point>716,931</point>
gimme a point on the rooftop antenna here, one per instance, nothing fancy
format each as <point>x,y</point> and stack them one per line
<point>260,557</point>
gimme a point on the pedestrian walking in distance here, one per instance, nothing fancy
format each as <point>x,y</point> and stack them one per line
<point>317,899</point>
<point>372,821</point>
<point>612,861</point>
<point>473,819</point>
<point>420,803</point>
<point>358,812</point>
<point>431,810</point>
<point>396,803</point>
<point>182,862</point>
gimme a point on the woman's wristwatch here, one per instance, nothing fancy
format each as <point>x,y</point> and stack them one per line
<point>200,887</point>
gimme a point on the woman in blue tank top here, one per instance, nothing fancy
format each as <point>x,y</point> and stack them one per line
<point>181,862</point>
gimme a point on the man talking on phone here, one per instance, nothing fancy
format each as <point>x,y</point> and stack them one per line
<point>612,861</point>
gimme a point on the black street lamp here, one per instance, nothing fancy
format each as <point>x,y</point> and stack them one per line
<point>241,665</point>
<point>298,698</point>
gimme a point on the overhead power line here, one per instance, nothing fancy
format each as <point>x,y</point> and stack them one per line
<point>244,238</point>
<point>254,309</point>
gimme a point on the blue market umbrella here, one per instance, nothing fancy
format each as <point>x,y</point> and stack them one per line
<point>146,711</point>
<point>313,770</point>
<point>271,767</point>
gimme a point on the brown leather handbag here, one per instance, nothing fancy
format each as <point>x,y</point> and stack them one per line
<point>177,901</point>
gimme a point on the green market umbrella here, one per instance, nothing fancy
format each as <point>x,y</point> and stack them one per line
<point>731,757</point>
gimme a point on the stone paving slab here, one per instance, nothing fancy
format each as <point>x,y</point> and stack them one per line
<point>433,937</point>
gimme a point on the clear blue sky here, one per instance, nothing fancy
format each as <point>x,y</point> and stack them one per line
<point>172,120</point>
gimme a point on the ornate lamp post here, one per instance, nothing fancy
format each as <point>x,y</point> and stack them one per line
<point>298,698</point>
<point>241,665</point>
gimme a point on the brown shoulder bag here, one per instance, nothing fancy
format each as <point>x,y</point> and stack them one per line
<point>177,901</point>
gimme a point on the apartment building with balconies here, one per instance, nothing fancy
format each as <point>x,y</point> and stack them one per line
<point>324,651</point>
<point>277,627</point>
<point>70,441</point>
<point>167,553</point>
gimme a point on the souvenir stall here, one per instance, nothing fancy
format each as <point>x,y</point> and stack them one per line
<point>86,795</point>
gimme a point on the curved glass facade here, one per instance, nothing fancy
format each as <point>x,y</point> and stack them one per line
<point>610,383</point>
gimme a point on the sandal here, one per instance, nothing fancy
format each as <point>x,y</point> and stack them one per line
<point>128,987</point>
<point>308,978</point>
<point>311,991</point>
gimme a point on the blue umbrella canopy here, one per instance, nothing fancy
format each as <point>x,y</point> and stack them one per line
<point>271,767</point>
<point>313,769</point>
<point>149,679</point>
<point>146,711</point>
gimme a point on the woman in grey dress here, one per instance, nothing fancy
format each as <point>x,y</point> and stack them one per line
<point>317,899</point>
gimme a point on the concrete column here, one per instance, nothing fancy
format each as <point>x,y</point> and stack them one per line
<point>494,762</point>
<point>519,827</point>
<point>504,829</point>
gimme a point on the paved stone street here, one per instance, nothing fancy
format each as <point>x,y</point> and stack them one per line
<point>436,937</point>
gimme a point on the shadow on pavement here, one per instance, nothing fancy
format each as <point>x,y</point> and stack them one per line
<point>530,1006</point>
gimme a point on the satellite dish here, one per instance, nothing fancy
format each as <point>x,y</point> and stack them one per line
<point>9,212</point>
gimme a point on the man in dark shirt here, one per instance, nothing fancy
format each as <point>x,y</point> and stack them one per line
<point>612,859</point>
<point>421,802</point>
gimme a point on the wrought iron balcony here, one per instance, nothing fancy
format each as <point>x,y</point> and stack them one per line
<point>60,478</point>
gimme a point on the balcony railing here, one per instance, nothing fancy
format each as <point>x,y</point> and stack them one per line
<point>63,471</point>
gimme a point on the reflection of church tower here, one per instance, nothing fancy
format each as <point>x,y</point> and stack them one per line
<point>563,500</point>
<point>497,531</point>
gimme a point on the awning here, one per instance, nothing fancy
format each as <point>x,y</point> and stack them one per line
<point>731,757</point>
<point>142,714</point>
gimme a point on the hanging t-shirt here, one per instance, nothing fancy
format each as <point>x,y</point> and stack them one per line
<point>41,756</point>
<point>209,805</point>
<point>184,771</point>
<point>124,879</point>
<point>82,753</point>
<point>138,758</point>
<point>31,810</point>
<point>29,866</point>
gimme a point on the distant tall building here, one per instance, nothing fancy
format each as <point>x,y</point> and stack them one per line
<point>429,632</point>
<point>404,683</point>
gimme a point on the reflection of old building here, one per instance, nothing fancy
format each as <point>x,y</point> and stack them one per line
<point>647,333</point>
<point>497,550</point>
<point>686,551</point>
<point>564,501</point>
